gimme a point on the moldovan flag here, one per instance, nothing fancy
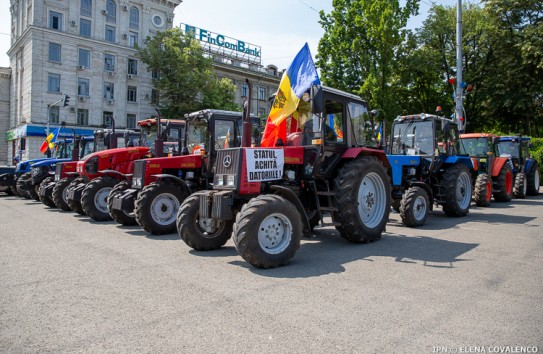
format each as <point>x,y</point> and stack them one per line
<point>299,77</point>
<point>49,141</point>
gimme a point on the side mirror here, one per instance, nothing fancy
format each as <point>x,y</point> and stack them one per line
<point>317,99</point>
<point>374,113</point>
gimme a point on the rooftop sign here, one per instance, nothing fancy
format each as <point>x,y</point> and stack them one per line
<point>228,47</point>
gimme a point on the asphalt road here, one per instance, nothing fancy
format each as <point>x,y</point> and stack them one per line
<point>69,284</point>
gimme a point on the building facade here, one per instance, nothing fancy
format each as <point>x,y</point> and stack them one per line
<point>85,49</point>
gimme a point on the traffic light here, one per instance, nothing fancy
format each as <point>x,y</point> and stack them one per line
<point>66,100</point>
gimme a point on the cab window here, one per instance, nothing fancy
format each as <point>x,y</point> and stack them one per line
<point>333,121</point>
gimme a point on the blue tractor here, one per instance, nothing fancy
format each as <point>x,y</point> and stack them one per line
<point>427,169</point>
<point>525,168</point>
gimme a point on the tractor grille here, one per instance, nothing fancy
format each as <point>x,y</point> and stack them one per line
<point>139,174</point>
<point>58,172</point>
<point>227,169</point>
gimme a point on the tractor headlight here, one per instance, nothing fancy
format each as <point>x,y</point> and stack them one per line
<point>230,180</point>
<point>137,183</point>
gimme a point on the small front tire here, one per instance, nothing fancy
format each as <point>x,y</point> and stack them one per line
<point>415,207</point>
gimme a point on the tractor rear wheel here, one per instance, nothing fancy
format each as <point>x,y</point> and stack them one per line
<point>520,186</point>
<point>24,185</point>
<point>267,231</point>
<point>504,184</point>
<point>35,192</point>
<point>75,205</point>
<point>415,207</point>
<point>483,190</point>
<point>157,205</point>
<point>457,184</point>
<point>123,217</point>
<point>362,199</point>
<point>60,194</point>
<point>198,233</point>
<point>533,180</point>
<point>45,199</point>
<point>94,198</point>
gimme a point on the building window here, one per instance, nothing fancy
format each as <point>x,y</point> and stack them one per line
<point>132,67</point>
<point>86,8</point>
<point>132,39</point>
<point>134,18</point>
<point>132,94</point>
<point>154,96</point>
<point>157,21</point>
<point>110,34</point>
<point>109,90</point>
<point>244,90</point>
<point>82,116</point>
<point>261,93</point>
<point>53,82</point>
<point>261,112</point>
<point>55,20</point>
<point>130,121</point>
<point>83,86</point>
<point>109,62</point>
<point>84,57</point>
<point>54,52</point>
<point>84,28</point>
<point>111,9</point>
<point>107,118</point>
<point>155,74</point>
<point>54,114</point>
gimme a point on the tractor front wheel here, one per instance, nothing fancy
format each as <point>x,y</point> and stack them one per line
<point>45,199</point>
<point>199,233</point>
<point>24,185</point>
<point>75,205</point>
<point>504,184</point>
<point>60,194</point>
<point>520,186</point>
<point>483,190</point>
<point>533,180</point>
<point>123,217</point>
<point>267,231</point>
<point>157,205</point>
<point>362,199</point>
<point>415,207</point>
<point>94,198</point>
<point>457,183</point>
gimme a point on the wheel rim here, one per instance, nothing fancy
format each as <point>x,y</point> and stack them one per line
<point>463,190</point>
<point>65,192</point>
<point>536,180</point>
<point>164,209</point>
<point>488,191</point>
<point>205,224</point>
<point>419,208</point>
<point>371,200</point>
<point>100,199</point>
<point>275,233</point>
<point>508,182</point>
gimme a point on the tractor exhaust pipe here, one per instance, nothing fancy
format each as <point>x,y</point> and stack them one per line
<point>159,143</point>
<point>247,129</point>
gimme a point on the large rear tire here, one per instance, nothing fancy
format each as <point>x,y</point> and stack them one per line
<point>533,180</point>
<point>457,184</point>
<point>24,185</point>
<point>483,190</point>
<point>415,207</point>
<point>362,199</point>
<point>60,194</point>
<point>267,231</point>
<point>198,233</point>
<point>45,199</point>
<point>157,205</point>
<point>521,187</point>
<point>123,217</point>
<point>504,184</point>
<point>94,198</point>
<point>75,205</point>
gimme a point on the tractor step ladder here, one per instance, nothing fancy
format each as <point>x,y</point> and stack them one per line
<point>329,194</point>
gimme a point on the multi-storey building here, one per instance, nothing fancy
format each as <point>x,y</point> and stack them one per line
<point>86,49</point>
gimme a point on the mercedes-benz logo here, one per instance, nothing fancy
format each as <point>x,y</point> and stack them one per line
<point>227,161</point>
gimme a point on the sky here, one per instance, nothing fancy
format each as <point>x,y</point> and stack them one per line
<point>280,27</point>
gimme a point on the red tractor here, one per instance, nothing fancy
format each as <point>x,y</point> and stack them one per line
<point>267,198</point>
<point>159,185</point>
<point>494,173</point>
<point>99,172</point>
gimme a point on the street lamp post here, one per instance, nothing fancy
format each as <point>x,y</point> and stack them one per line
<point>49,122</point>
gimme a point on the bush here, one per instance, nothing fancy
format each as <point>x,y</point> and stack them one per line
<point>537,151</point>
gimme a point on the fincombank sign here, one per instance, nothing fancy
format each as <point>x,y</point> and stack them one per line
<point>216,43</point>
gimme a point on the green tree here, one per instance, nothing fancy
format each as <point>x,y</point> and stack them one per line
<point>359,49</point>
<point>186,80</point>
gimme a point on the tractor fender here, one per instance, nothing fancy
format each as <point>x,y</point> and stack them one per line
<point>453,160</point>
<point>353,153</point>
<point>293,198</point>
<point>498,165</point>
<point>528,165</point>
<point>427,189</point>
<point>117,174</point>
<point>171,178</point>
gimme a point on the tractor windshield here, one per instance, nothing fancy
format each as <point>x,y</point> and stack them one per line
<point>508,149</point>
<point>196,137</point>
<point>476,147</point>
<point>413,138</point>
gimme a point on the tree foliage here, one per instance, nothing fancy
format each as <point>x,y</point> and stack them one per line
<point>186,81</point>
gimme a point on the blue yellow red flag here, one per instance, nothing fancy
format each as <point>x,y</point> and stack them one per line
<point>296,80</point>
<point>49,141</point>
